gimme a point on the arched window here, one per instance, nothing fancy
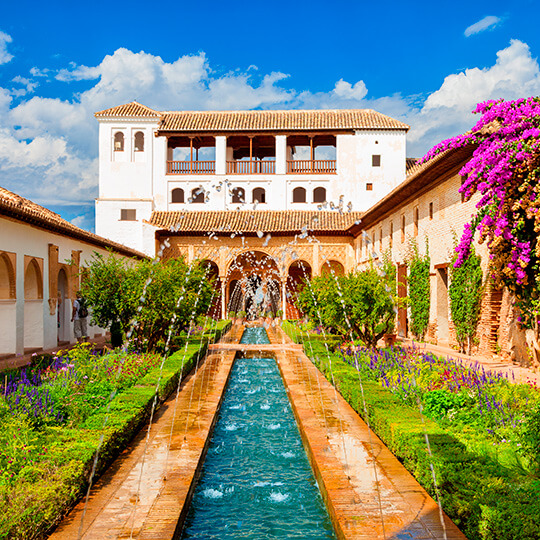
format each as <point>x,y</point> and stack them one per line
<point>177,195</point>
<point>238,195</point>
<point>139,141</point>
<point>319,195</point>
<point>118,141</point>
<point>259,195</point>
<point>299,195</point>
<point>197,195</point>
<point>33,283</point>
<point>7,278</point>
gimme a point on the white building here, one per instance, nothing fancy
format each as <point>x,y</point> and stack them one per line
<point>41,260</point>
<point>220,160</point>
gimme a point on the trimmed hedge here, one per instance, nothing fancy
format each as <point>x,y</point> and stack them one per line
<point>486,500</point>
<point>40,504</point>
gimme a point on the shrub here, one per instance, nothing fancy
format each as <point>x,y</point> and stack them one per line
<point>465,292</point>
<point>419,290</point>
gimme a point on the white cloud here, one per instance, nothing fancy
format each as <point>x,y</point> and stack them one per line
<point>28,84</point>
<point>345,90</point>
<point>447,111</point>
<point>48,147</point>
<point>483,24</point>
<point>5,57</point>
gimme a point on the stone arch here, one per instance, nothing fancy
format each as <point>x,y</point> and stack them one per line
<point>299,195</point>
<point>254,274</point>
<point>177,195</point>
<point>197,195</point>
<point>319,195</point>
<point>7,278</point>
<point>259,195</point>
<point>238,195</point>
<point>333,267</point>
<point>298,271</point>
<point>33,304</point>
<point>119,141</point>
<point>212,273</point>
<point>63,311</point>
<point>139,142</point>
<point>33,281</point>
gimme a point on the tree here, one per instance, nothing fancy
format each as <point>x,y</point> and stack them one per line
<point>148,296</point>
<point>465,293</point>
<point>359,302</point>
<point>505,170</point>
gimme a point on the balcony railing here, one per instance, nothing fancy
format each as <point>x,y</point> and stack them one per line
<point>191,167</point>
<point>311,166</point>
<point>251,167</point>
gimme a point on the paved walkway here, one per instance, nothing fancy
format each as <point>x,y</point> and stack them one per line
<point>368,492</point>
<point>143,494</point>
<point>514,371</point>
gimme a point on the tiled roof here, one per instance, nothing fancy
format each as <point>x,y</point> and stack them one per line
<point>278,120</point>
<point>412,166</point>
<point>254,221</point>
<point>133,109</point>
<point>16,207</point>
<point>322,119</point>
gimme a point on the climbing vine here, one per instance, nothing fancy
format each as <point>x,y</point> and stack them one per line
<point>465,293</point>
<point>419,291</point>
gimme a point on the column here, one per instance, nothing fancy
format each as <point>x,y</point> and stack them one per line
<point>284,298</point>
<point>223,299</point>
<point>221,154</point>
<point>281,154</point>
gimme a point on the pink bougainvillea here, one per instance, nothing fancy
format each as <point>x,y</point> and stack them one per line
<point>504,169</point>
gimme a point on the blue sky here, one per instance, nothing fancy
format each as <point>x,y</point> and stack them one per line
<point>424,63</point>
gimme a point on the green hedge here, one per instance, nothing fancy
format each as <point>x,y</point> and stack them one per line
<point>485,500</point>
<point>37,504</point>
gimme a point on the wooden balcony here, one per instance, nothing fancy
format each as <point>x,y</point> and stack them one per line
<point>191,167</point>
<point>251,167</point>
<point>311,166</point>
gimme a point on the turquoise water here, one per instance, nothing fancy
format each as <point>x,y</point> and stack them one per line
<point>256,482</point>
<point>255,335</point>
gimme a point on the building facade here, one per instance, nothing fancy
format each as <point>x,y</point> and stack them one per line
<point>219,160</point>
<point>274,197</point>
<point>42,257</point>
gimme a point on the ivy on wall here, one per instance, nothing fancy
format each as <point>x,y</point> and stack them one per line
<point>419,289</point>
<point>465,293</point>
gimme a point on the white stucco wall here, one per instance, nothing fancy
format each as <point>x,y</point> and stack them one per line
<point>29,324</point>
<point>126,182</point>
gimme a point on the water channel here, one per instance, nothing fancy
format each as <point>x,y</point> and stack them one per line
<point>256,481</point>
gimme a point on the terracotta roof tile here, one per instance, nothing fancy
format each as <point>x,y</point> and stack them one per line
<point>253,221</point>
<point>16,207</point>
<point>133,109</point>
<point>412,166</point>
<point>323,119</point>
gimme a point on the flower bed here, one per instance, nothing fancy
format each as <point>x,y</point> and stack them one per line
<point>475,422</point>
<point>53,421</point>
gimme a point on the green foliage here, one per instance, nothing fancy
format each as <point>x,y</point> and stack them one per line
<point>44,471</point>
<point>530,435</point>
<point>419,290</point>
<point>465,293</point>
<point>487,500</point>
<point>438,403</point>
<point>358,302</point>
<point>154,297</point>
